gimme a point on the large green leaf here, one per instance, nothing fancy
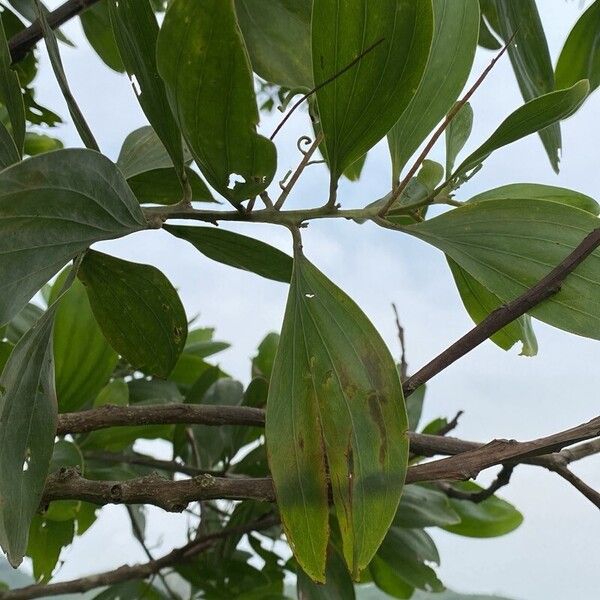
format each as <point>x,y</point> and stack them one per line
<point>79,375</point>
<point>27,429</point>
<point>204,63</point>
<point>10,91</point>
<point>237,251</point>
<point>580,56</point>
<point>361,105</point>
<point>456,28</point>
<point>533,116</point>
<point>77,197</point>
<point>136,31</point>
<point>508,245</point>
<point>95,21</point>
<point>530,59</point>
<point>277,34</point>
<point>54,54</point>
<point>491,518</point>
<point>138,311</point>
<point>335,399</point>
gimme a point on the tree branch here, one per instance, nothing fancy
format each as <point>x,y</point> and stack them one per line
<point>139,571</point>
<point>21,43</point>
<point>546,287</point>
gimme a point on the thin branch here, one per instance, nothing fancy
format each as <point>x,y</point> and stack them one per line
<point>400,330</point>
<point>544,289</point>
<point>23,41</point>
<point>581,486</point>
<point>501,480</point>
<point>139,571</point>
<point>438,132</point>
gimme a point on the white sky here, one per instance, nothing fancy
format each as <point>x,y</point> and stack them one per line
<point>553,554</point>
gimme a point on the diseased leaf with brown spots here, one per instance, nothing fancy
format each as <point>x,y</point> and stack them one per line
<point>335,411</point>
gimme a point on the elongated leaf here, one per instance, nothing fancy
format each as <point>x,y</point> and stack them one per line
<point>138,311</point>
<point>77,197</point>
<point>277,34</point>
<point>46,540</point>
<point>162,186</point>
<point>457,133</point>
<point>8,151</point>
<point>27,428</point>
<point>95,21</point>
<point>335,398</point>
<point>533,191</point>
<point>79,375</point>
<point>54,54</point>
<point>203,41</point>
<point>580,56</point>
<point>491,518</point>
<point>530,60</point>
<point>529,118</point>
<point>136,32</point>
<point>508,245</point>
<point>480,302</point>
<point>10,91</point>
<point>237,251</point>
<point>339,584</point>
<point>455,35</point>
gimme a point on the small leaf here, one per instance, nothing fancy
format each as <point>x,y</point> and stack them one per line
<point>138,310</point>
<point>580,56</point>
<point>422,506</point>
<point>79,375</point>
<point>508,245</point>
<point>78,197</point>
<point>54,54</point>
<point>46,540</point>
<point>116,393</point>
<point>9,154</point>
<point>530,60</point>
<point>277,34</point>
<point>491,518</point>
<point>457,133</point>
<point>262,363</point>
<point>203,41</point>
<point>361,105</point>
<point>161,186</point>
<point>10,91</point>
<point>28,418</point>
<point>352,173</point>
<point>386,579</point>
<point>95,21</point>
<point>36,143</point>
<point>237,251</point>
<point>338,582</point>
<point>335,398</point>
<point>533,116</point>
<point>452,52</point>
<point>136,31</point>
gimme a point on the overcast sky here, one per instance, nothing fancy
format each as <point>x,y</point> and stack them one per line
<point>554,553</point>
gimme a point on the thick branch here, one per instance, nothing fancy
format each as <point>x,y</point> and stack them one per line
<point>504,315</point>
<point>21,43</point>
<point>139,571</point>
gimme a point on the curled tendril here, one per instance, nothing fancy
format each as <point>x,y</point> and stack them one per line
<point>304,140</point>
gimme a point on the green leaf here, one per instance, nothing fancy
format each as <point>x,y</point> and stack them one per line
<point>538,191</point>
<point>116,392</point>
<point>26,9</point>
<point>338,582</point>
<point>387,580</point>
<point>533,116</point>
<point>262,363</point>
<point>335,398</point>
<point>95,21</point>
<point>487,39</point>
<point>199,344</point>
<point>361,105</point>
<point>27,428</point>
<point>78,197</point>
<point>8,151</point>
<point>138,310</point>
<point>36,143</point>
<point>457,133</point>
<point>353,172</point>
<point>277,35</point>
<point>46,539</point>
<point>204,41</point>
<point>456,27</point>
<point>422,506</point>
<point>136,31</point>
<point>10,90</point>
<point>54,54</point>
<point>22,322</point>
<point>530,60</point>
<point>131,589</point>
<point>79,375</point>
<point>491,518</point>
<point>237,251</point>
<point>414,407</point>
<point>580,56</point>
<point>480,302</point>
<point>161,186</point>
<point>508,245</point>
